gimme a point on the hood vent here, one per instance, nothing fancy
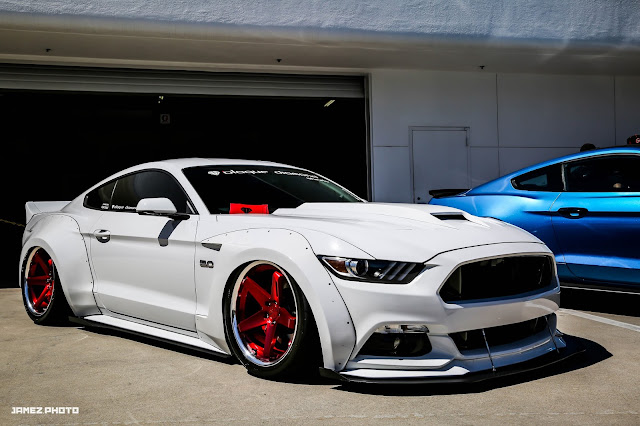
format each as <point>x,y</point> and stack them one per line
<point>449,216</point>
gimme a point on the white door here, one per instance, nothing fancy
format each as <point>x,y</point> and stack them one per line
<point>143,264</point>
<point>439,160</point>
<point>138,276</point>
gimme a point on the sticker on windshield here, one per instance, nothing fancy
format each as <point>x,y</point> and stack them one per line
<point>304,175</point>
<point>266,172</point>
<point>238,172</point>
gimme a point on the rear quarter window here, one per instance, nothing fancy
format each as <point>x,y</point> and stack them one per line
<point>100,198</point>
<point>547,179</point>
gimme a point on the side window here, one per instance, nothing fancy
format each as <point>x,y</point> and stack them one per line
<point>604,174</point>
<point>545,179</point>
<point>149,184</point>
<point>100,198</point>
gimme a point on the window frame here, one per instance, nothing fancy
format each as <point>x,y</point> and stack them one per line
<point>563,169</point>
<point>116,179</point>
<point>565,165</point>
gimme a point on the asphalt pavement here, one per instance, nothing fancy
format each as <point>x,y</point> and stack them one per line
<point>88,377</point>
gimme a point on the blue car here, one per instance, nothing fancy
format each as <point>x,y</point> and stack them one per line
<point>584,206</point>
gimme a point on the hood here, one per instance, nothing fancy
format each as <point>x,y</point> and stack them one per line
<point>408,232</point>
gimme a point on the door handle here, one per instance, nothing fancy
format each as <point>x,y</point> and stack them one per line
<point>573,212</point>
<point>102,235</point>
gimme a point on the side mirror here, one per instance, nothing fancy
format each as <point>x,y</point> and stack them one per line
<point>159,207</point>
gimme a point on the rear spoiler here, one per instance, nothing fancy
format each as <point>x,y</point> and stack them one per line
<point>440,193</point>
<point>35,207</point>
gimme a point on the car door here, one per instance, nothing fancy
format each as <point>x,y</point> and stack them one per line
<point>597,218</point>
<point>527,204</point>
<point>144,264</point>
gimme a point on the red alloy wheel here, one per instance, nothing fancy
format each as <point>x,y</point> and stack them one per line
<point>39,283</point>
<point>264,319</point>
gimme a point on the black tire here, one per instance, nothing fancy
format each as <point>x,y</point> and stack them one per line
<point>42,294</point>
<point>295,350</point>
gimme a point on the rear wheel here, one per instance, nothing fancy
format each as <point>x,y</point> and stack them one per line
<point>269,324</point>
<point>42,294</point>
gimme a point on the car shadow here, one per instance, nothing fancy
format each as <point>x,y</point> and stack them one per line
<point>310,378</point>
<point>601,301</point>
<point>593,353</point>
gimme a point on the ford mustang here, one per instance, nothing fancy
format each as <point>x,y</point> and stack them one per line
<point>584,206</point>
<point>289,272</point>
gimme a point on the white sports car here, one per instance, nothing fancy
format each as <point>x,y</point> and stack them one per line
<point>287,271</point>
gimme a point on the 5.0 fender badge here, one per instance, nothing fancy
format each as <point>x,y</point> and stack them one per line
<point>206,264</point>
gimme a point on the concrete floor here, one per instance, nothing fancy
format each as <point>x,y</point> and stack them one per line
<point>115,378</point>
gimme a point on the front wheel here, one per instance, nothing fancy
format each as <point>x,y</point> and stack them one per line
<point>42,294</point>
<point>268,323</point>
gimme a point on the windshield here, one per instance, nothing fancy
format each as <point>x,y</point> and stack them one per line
<point>223,188</point>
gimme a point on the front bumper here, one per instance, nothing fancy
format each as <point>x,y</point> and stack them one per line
<point>572,348</point>
<point>418,303</point>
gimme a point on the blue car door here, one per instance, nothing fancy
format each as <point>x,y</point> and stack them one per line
<point>528,204</point>
<point>597,219</point>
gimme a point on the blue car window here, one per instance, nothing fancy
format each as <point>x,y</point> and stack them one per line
<point>604,174</point>
<point>545,179</point>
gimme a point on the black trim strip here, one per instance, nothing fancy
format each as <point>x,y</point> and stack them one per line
<point>169,227</point>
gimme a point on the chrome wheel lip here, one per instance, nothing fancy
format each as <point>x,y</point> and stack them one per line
<point>246,352</point>
<point>25,285</point>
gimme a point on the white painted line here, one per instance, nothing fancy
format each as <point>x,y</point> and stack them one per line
<point>601,319</point>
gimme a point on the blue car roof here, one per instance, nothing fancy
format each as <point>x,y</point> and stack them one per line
<point>499,183</point>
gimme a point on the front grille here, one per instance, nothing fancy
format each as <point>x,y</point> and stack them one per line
<point>498,278</point>
<point>496,336</point>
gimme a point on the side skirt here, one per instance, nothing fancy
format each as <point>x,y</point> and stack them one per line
<point>104,321</point>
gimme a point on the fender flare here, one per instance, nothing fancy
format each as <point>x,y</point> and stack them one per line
<point>60,236</point>
<point>293,253</point>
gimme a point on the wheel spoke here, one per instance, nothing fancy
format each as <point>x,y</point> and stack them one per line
<point>256,291</point>
<point>40,261</point>
<point>286,319</point>
<point>276,285</point>
<point>42,280</point>
<point>269,338</point>
<point>256,320</point>
<point>46,293</point>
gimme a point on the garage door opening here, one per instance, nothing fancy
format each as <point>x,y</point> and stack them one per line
<point>62,143</point>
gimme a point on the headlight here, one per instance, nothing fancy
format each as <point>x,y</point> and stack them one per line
<point>376,271</point>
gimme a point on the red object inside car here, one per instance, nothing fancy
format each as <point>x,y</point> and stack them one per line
<point>235,208</point>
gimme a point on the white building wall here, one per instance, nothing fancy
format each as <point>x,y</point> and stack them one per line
<point>545,116</point>
<point>627,98</point>
<point>515,120</point>
<point>401,99</point>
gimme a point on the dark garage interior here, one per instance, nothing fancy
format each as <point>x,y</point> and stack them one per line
<point>58,144</point>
